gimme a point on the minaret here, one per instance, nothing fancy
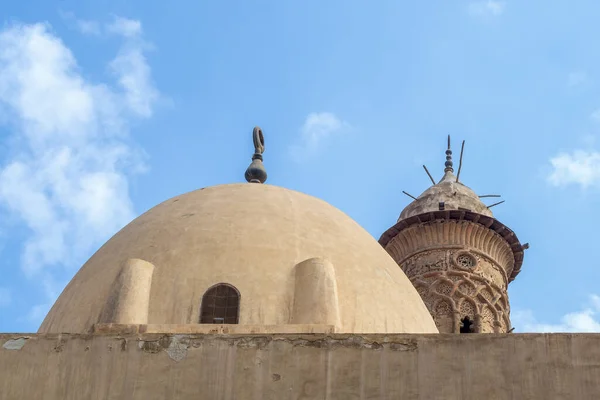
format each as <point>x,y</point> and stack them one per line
<point>457,255</point>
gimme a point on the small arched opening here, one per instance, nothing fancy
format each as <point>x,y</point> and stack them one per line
<point>220,305</point>
<point>467,325</point>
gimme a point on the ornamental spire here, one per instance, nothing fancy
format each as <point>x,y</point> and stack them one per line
<point>448,163</point>
<point>256,172</point>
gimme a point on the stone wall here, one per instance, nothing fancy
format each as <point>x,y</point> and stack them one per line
<point>292,366</point>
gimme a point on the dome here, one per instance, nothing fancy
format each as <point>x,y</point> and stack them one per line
<point>453,194</point>
<point>281,251</point>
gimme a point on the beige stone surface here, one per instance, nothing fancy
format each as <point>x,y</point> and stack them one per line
<point>129,299</point>
<point>124,329</point>
<point>265,367</point>
<point>316,299</point>
<point>251,236</point>
<point>454,194</point>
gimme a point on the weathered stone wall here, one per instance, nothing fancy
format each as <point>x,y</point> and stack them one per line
<point>287,366</point>
<point>460,269</point>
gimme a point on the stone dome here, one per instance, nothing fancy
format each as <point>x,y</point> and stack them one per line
<point>454,195</point>
<point>292,258</point>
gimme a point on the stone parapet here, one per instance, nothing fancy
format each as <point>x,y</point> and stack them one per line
<point>212,329</point>
<point>299,366</point>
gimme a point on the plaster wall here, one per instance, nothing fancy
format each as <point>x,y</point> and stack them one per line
<point>293,366</point>
<point>129,300</point>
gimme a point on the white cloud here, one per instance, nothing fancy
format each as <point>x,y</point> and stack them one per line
<point>128,28</point>
<point>486,8</point>
<point>88,27</point>
<point>579,167</point>
<point>84,26</point>
<point>133,73</point>
<point>68,177</point>
<point>52,290</point>
<point>577,78</point>
<point>125,27</point>
<point>5,297</point>
<point>317,128</point>
<point>130,67</point>
<point>586,320</point>
<point>37,313</point>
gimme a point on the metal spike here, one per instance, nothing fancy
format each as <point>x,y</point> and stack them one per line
<point>495,204</point>
<point>428,174</point>
<point>462,148</point>
<point>409,195</point>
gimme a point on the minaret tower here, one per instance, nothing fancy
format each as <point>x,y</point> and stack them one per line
<point>457,255</point>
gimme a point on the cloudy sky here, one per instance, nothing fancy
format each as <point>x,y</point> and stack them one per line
<point>110,107</point>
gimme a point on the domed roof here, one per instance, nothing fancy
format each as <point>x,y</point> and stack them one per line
<point>454,196</point>
<point>252,237</point>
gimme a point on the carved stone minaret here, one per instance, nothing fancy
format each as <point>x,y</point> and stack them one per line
<point>457,255</point>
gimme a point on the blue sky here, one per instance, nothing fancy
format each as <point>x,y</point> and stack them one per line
<point>109,107</point>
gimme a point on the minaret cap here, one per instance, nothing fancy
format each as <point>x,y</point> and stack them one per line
<point>256,172</point>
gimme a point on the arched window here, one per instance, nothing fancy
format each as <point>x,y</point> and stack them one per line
<point>466,325</point>
<point>220,305</point>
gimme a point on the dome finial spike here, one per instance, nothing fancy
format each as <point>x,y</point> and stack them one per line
<point>462,149</point>
<point>448,163</point>
<point>428,174</point>
<point>256,172</point>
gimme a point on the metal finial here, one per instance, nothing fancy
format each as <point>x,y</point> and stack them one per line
<point>448,163</point>
<point>462,148</point>
<point>256,172</point>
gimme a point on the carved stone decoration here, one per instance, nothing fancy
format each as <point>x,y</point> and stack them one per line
<point>453,295</point>
<point>464,260</point>
<point>461,270</point>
